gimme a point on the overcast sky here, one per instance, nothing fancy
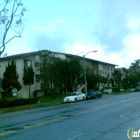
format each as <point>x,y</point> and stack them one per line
<point>112,27</point>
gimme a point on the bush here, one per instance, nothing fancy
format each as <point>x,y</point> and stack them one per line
<point>17,102</point>
<point>4,94</point>
<point>115,89</point>
<point>125,86</point>
<point>35,93</point>
<point>38,93</point>
<point>96,88</point>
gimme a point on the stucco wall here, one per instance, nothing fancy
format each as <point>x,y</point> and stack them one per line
<point>24,92</point>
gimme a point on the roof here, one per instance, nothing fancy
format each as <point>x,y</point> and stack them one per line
<point>23,55</point>
<point>89,59</point>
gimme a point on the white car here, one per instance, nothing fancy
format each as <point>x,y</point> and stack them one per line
<point>74,96</point>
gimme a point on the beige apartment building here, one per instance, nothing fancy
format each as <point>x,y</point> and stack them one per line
<point>31,58</point>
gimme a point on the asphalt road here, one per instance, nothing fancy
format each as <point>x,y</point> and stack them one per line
<point>108,118</point>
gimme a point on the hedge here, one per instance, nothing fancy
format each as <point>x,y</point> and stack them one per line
<point>115,89</point>
<point>17,102</point>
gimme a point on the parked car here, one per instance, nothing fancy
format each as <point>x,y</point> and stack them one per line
<point>94,94</point>
<point>137,88</point>
<point>74,96</point>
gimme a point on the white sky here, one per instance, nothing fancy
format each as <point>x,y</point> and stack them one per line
<point>112,27</point>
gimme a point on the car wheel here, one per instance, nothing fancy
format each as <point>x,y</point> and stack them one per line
<point>75,100</point>
<point>101,96</point>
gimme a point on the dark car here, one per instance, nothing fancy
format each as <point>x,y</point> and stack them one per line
<point>94,95</point>
<point>137,88</point>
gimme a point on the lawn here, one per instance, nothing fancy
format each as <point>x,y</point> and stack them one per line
<point>123,92</point>
<point>41,103</point>
<point>46,102</point>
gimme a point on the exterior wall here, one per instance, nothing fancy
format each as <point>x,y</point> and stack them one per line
<point>24,92</point>
<point>98,67</point>
<point>95,67</point>
<point>106,70</point>
<point>62,56</point>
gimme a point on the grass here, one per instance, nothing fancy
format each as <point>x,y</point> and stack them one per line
<point>122,92</point>
<point>42,103</point>
<point>47,102</point>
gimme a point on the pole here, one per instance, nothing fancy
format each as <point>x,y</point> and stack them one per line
<point>85,79</point>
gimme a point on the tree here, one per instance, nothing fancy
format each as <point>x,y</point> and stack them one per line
<point>102,80</point>
<point>91,79</point>
<point>44,67</point>
<point>117,76</point>
<point>135,67</point>
<point>67,74</point>
<point>28,77</point>
<point>10,78</point>
<point>134,73</point>
<point>61,74</point>
<point>76,73</point>
<point>11,21</point>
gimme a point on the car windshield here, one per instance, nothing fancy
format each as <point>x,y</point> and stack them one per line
<point>72,94</point>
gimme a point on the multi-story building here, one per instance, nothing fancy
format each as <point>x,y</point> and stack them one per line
<point>32,58</point>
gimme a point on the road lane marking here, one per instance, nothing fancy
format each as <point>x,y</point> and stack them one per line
<point>45,122</point>
<point>6,133</point>
<point>75,136</point>
<point>125,114</point>
<point>137,115</point>
<point>80,113</point>
<point>62,118</point>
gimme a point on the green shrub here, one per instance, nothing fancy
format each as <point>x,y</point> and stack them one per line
<point>17,102</point>
<point>35,93</point>
<point>115,89</point>
<point>96,88</point>
<point>125,86</point>
<point>104,92</point>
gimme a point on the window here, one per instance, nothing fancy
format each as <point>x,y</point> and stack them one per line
<point>39,79</point>
<point>100,72</point>
<point>95,72</point>
<point>108,75</point>
<point>111,68</point>
<point>37,58</point>
<point>27,63</point>
<point>104,67</point>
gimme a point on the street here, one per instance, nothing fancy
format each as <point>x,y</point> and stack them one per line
<point>107,118</point>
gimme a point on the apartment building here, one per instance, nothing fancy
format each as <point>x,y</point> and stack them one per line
<point>32,58</point>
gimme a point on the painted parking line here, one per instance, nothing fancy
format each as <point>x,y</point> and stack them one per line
<point>62,118</point>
